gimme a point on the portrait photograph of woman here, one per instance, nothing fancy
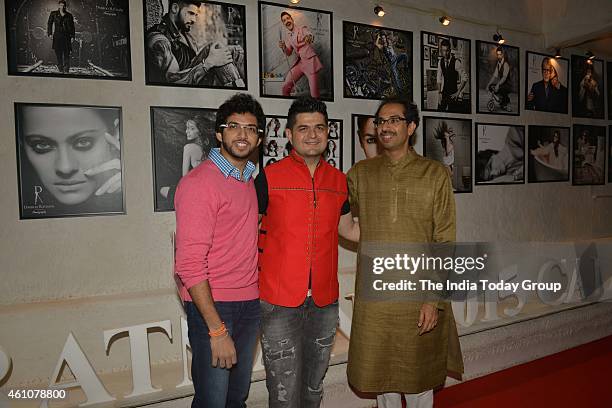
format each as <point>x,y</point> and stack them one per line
<point>69,160</point>
<point>181,140</point>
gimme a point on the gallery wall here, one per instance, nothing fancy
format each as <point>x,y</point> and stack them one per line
<point>89,274</point>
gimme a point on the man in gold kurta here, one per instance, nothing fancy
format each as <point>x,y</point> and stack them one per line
<point>401,198</point>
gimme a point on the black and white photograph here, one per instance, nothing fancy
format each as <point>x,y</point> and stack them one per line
<point>181,140</point>
<point>500,154</point>
<point>610,154</point>
<point>445,69</point>
<point>68,160</point>
<point>587,88</point>
<point>377,61</point>
<point>195,44</point>
<point>546,87</point>
<point>497,79</point>
<point>449,141</point>
<point>276,145</point>
<point>364,142</point>
<point>609,70</point>
<point>296,56</point>
<point>589,159</point>
<point>71,39</point>
<point>548,154</point>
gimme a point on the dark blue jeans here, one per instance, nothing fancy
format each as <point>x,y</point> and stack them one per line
<point>218,387</point>
<point>296,343</point>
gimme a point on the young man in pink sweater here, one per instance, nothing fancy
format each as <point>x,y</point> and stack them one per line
<point>216,257</point>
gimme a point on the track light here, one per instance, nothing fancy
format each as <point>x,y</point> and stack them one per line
<point>497,37</point>
<point>590,55</point>
<point>294,1</point>
<point>558,53</point>
<point>444,20</point>
<point>379,11</point>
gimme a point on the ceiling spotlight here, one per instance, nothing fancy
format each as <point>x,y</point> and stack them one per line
<point>444,20</point>
<point>590,55</point>
<point>558,53</point>
<point>497,37</point>
<point>294,1</point>
<point>379,11</point>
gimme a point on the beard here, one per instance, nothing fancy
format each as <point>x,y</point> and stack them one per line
<point>235,152</point>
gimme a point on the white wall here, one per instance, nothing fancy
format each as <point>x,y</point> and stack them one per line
<point>87,275</point>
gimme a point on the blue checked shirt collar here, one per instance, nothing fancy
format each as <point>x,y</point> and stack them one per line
<point>227,168</point>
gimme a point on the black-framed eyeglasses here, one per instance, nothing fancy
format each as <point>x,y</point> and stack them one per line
<point>393,121</point>
<point>234,127</point>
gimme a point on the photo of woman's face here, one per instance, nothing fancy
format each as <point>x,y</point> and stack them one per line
<point>62,143</point>
<point>191,130</point>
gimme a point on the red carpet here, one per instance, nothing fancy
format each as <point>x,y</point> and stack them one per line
<point>578,378</point>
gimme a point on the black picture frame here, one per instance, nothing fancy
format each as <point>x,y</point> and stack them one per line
<point>229,21</point>
<point>540,167</point>
<point>171,147</point>
<point>272,74</point>
<point>609,74</point>
<point>427,52</point>
<point>485,63</point>
<point>588,159</point>
<point>483,160</point>
<point>609,154</point>
<point>357,153</point>
<point>461,170</point>
<point>282,146</point>
<point>58,146</point>
<point>100,47</point>
<point>589,104</point>
<point>365,68</point>
<point>533,67</point>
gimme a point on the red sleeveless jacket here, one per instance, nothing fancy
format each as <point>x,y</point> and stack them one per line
<point>299,233</point>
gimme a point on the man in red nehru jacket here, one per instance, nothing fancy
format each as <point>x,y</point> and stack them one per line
<point>304,203</point>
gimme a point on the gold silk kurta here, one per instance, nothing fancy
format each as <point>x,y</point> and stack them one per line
<point>409,201</point>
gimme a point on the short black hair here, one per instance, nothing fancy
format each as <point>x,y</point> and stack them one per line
<point>411,112</point>
<point>62,2</point>
<point>285,13</point>
<point>240,103</point>
<point>305,104</point>
<point>445,43</point>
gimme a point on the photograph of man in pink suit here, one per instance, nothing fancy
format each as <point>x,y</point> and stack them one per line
<point>299,39</point>
<point>296,52</point>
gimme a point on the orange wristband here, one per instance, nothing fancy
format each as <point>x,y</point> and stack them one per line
<point>219,332</point>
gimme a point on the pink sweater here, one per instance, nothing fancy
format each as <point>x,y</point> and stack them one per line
<point>216,234</point>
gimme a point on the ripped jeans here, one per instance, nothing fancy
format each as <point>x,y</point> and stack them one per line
<point>296,343</point>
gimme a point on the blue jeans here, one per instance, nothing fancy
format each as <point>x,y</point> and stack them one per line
<point>296,343</point>
<point>218,387</point>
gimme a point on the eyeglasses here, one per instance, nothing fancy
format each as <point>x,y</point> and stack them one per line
<point>393,121</point>
<point>234,127</point>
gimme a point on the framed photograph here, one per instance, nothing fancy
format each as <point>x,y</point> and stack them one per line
<point>547,83</point>
<point>377,61</point>
<point>497,79</point>
<point>449,141</point>
<point>181,139</point>
<point>364,143</point>
<point>190,46</point>
<point>589,160</point>
<point>276,146</point>
<point>76,39</point>
<point>500,154</point>
<point>548,153</point>
<point>609,70</point>
<point>451,89</point>
<point>587,88</point>
<point>69,160</point>
<point>296,56</point>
